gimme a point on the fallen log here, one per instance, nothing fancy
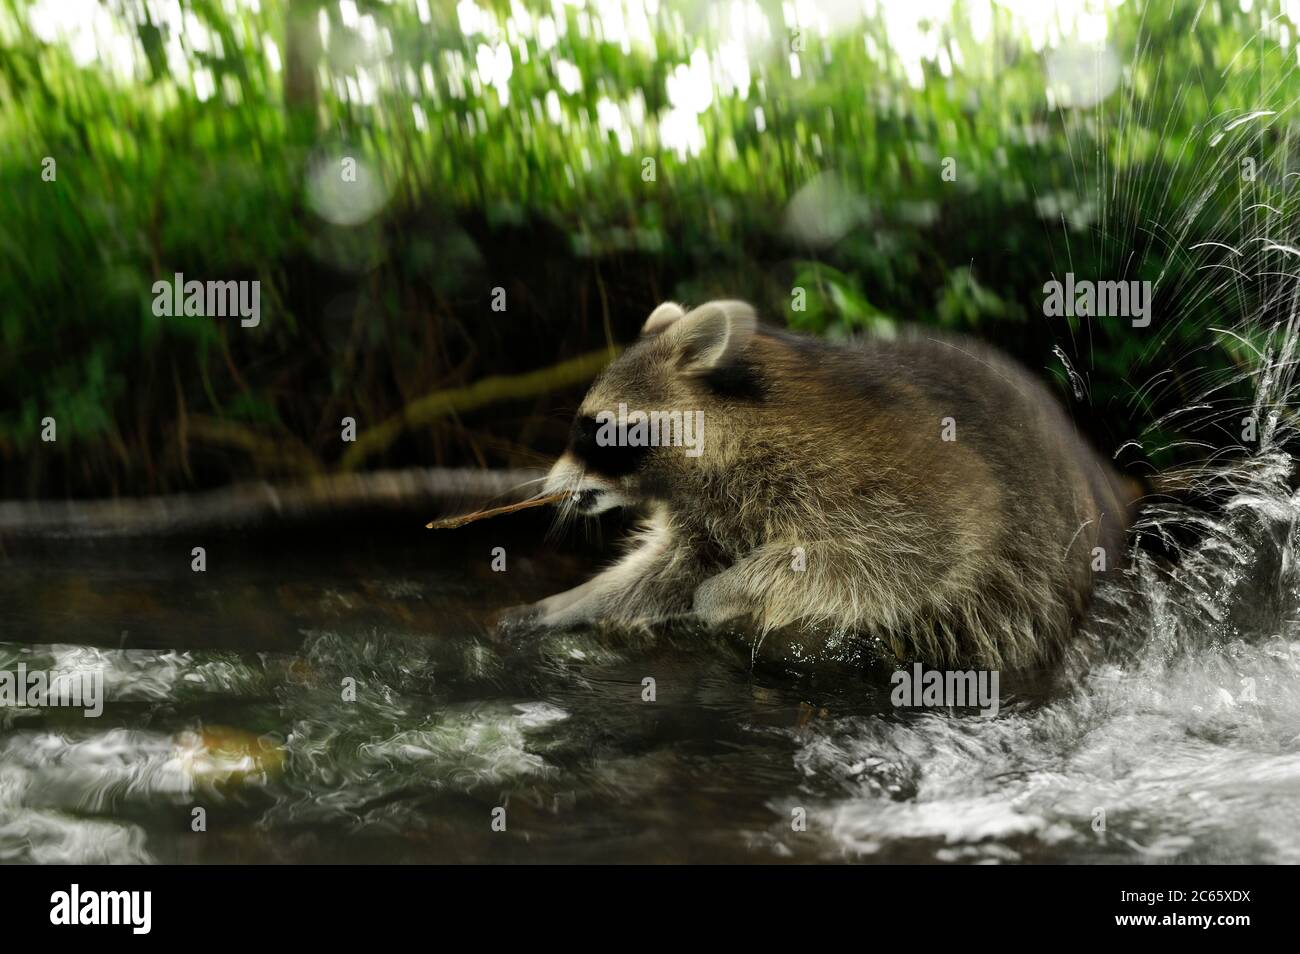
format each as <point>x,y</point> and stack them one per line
<point>257,503</point>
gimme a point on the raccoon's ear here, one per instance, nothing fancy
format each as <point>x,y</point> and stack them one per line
<point>661,318</point>
<point>713,335</point>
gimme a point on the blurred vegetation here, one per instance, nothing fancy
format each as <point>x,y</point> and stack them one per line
<point>847,167</point>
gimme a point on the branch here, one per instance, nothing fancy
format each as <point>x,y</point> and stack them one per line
<point>429,408</point>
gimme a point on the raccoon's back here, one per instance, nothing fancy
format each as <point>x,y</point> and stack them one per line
<point>938,402</point>
<point>964,453</point>
<point>1012,421</point>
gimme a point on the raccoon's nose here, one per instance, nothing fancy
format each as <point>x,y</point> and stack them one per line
<point>611,459</point>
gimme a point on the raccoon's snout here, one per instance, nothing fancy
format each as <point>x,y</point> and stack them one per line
<point>608,458</point>
<point>590,500</point>
<point>589,493</point>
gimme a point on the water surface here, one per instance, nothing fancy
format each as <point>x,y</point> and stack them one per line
<point>1174,738</point>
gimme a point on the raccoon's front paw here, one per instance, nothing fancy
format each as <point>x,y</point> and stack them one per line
<point>554,612</point>
<point>517,620</point>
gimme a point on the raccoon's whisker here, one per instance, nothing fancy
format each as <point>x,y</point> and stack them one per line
<point>510,492</point>
<point>566,511</point>
<point>526,483</point>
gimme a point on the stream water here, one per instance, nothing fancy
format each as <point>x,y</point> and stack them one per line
<point>341,699</point>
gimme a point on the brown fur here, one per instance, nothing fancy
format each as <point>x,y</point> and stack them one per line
<point>976,551</point>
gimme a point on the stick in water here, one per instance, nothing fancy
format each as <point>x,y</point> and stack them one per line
<point>450,523</point>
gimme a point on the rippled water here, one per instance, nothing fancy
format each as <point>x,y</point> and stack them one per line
<point>1174,736</point>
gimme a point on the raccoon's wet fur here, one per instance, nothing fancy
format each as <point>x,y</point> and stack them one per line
<point>925,490</point>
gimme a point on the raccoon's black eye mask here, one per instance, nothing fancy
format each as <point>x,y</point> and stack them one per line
<point>612,460</point>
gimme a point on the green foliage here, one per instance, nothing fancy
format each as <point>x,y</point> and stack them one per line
<point>196,140</point>
<point>835,304</point>
<point>967,305</point>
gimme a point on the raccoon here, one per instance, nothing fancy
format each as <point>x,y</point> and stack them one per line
<point>925,491</point>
